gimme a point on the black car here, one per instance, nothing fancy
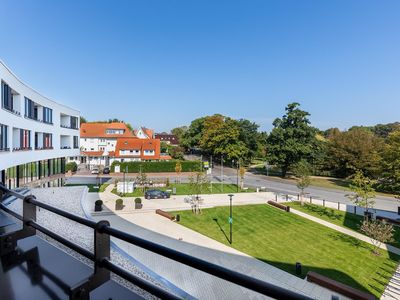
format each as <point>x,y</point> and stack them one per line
<point>156,194</point>
<point>106,170</point>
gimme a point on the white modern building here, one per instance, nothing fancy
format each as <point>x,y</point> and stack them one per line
<point>36,134</point>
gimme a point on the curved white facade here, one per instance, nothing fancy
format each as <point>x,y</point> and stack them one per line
<point>49,123</point>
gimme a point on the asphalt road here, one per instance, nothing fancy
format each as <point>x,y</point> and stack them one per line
<point>256,180</point>
<point>277,185</point>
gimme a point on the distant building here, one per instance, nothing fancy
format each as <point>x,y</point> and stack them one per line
<point>104,143</point>
<point>144,133</point>
<point>170,139</point>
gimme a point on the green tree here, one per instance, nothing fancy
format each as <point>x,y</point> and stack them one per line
<point>198,183</point>
<point>164,147</point>
<point>249,135</point>
<point>191,138</point>
<point>356,149</point>
<point>291,139</point>
<point>179,132</point>
<point>82,120</point>
<point>178,169</point>
<point>302,171</point>
<point>177,152</point>
<point>378,232</point>
<point>221,138</point>
<point>390,170</point>
<point>363,191</point>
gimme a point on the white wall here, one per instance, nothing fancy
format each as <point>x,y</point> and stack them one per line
<point>9,159</point>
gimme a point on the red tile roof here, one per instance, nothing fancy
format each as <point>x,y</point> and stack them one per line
<point>138,144</point>
<point>99,130</point>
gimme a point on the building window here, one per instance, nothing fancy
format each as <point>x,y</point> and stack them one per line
<point>76,142</point>
<point>3,137</point>
<point>24,139</point>
<point>74,123</point>
<point>115,131</point>
<point>47,115</point>
<point>47,141</point>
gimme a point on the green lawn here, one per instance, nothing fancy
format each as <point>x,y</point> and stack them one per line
<point>282,239</point>
<point>184,189</point>
<point>92,188</point>
<point>338,217</point>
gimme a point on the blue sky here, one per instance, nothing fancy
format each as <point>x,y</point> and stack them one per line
<point>163,63</point>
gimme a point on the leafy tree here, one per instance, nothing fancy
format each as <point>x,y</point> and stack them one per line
<point>249,135</point>
<point>178,169</point>
<point>198,183</point>
<point>356,149</point>
<point>164,147</point>
<point>390,170</point>
<point>221,138</point>
<point>191,138</point>
<point>302,172</point>
<point>179,132</point>
<point>378,232</point>
<point>363,191</point>
<point>291,139</point>
<point>82,120</point>
<point>177,152</point>
<point>242,172</point>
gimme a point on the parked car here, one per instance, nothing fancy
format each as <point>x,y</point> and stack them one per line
<point>156,194</point>
<point>95,171</point>
<point>106,170</point>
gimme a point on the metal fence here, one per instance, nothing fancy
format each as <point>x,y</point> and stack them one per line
<point>101,257</point>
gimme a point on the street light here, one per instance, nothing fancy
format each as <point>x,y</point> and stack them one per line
<point>230,218</point>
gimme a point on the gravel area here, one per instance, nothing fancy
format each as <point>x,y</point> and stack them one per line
<point>69,199</point>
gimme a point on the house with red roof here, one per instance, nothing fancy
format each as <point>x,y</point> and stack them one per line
<point>104,143</point>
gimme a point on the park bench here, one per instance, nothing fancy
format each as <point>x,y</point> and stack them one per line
<point>338,287</point>
<point>165,214</point>
<point>278,205</point>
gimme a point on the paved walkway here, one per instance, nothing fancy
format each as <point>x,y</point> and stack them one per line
<point>146,224</point>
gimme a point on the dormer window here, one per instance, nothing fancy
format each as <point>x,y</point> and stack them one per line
<point>115,131</point>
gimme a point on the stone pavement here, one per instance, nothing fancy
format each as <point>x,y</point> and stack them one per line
<point>146,224</point>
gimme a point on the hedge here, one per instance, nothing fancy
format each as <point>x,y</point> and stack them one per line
<point>156,166</point>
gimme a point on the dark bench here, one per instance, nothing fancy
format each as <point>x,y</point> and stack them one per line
<point>338,287</point>
<point>278,205</point>
<point>165,214</point>
<point>388,220</point>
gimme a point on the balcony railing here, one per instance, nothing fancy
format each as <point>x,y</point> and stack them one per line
<point>44,148</point>
<point>102,232</point>
<point>65,147</point>
<point>13,111</point>
<point>37,120</point>
<point>68,127</point>
<point>4,149</point>
<point>22,148</point>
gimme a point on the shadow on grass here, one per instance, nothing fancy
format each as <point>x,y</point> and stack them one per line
<point>339,182</point>
<point>220,228</point>
<point>330,273</point>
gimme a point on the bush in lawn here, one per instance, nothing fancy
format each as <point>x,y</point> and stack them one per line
<point>71,166</point>
<point>157,166</point>
<point>138,203</point>
<point>119,204</point>
<point>98,205</point>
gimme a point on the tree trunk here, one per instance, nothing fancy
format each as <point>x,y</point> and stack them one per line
<point>284,171</point>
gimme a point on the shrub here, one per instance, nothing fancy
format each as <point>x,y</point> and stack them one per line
<point>71,166</point>
<point>138,200</point>
<point>167,182</point>
<point>98,202</point>
<point>157,166</point>
<point>119,201</point>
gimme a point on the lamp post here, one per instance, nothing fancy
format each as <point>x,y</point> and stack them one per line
<point>230,218</point>
<point>237,175</point>
<point>222,173</point>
